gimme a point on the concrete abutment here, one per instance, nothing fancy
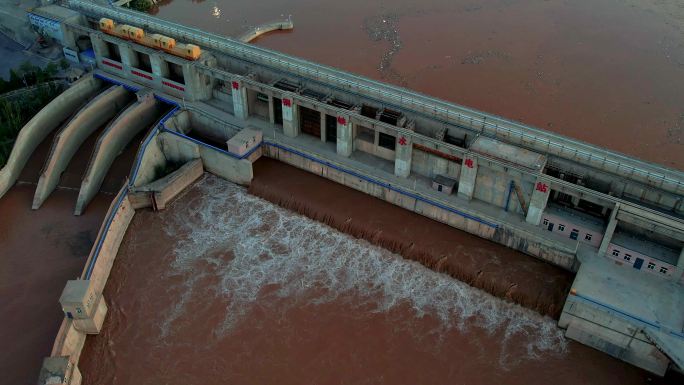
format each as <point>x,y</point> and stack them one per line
<point>42,124</point>
<point>91,117</point>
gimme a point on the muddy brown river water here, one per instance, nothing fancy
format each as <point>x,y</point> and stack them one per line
<point>224,287</point>
<point>609,72</point>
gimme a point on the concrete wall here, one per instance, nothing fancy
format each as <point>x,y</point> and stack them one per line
<point>69,341</point>
<point>491,186</point>
<point>612,335</point>
<point>429,165</point>
<point>209,127</point>
<point>227,167</point>
<point>150,157</point>
<point>109,238</point>
<point>625,255</point>
<point>568,226</point>
<point>160,192</point>
<point>40,126</point>
<point>111,142</point>
<point>69,139</point>
<point>461,218</point>
<point>179,149</point>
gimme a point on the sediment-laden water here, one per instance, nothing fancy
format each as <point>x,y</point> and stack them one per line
<point>224,287</point>
<point>609,72</point>
<point>496,269</point>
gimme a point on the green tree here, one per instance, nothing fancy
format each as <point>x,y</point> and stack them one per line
<point>64,64</point>
<point>140,5</point>
<point>14,114</point>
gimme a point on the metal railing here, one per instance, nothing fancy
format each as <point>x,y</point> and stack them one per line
<point>490,125</point>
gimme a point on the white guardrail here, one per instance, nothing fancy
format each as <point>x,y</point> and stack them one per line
<point>490,125</point>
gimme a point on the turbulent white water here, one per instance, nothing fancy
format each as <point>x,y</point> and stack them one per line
<point>292,257</point>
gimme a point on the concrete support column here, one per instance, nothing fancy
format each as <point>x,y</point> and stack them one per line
<point>197,85</point>
<point>271,110</point>
<point>160,69</point>
<point>540,196</point>
<point>69,38</point>
<point>290,117</point>
<point>466,182</point>
<point>191,81</point>
<point>575,201</point>
<point>610,229</point>
<point>323,127</point>
<point>240,106</point>
<point>99,46</point>
<point>403,154</point>
<point>129,60</point>
<point>345,140</point>
<point>439,165</point>
<point>84,306</point>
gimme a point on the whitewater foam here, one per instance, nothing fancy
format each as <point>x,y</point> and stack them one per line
<point>303,260</point>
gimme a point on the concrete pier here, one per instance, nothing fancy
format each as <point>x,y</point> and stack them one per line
<point>385,134</point>
<point>540,196</point>
<point>96,113</point>
<point>240,105</point>
<point>345,141</point>
<point>466,184</point>
<point>290,117</point>
<point>403,155</point>
<point>610,230</point>
<point>116,136</point>
<point>40,126</point>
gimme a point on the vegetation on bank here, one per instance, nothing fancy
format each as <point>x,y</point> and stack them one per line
<point>141,5</point>
<point>28,75</point>
<point>15,112</point>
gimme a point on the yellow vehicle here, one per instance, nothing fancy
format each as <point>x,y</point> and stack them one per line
<point>165,43</point>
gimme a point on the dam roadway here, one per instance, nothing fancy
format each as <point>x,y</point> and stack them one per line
<point>563,201</point>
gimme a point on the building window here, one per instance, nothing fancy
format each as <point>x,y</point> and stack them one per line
<point>616,252</point>
<point>561,227</point>
<point>574,234</point>
<point>262,97</point>
<point>663,270</point>
<point>366,134</point>
<point>387,141</point>
<point>546,221</point>
<point>627,257</point>
<point>651,265</point>
<point>587,237</point>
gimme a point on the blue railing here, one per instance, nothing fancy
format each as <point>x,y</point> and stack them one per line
<point>383,184</point>
<point>103,234</point>
<point>629,317</point>
<point>110,80</point>
<point>197,141</point>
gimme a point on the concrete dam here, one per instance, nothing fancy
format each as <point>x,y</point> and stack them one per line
<point>615,221</point>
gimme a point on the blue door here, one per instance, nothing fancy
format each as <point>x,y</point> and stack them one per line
<point>638,263</point>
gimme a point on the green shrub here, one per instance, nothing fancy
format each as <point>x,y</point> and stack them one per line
<point>14,114</point>
<point>140,5</point>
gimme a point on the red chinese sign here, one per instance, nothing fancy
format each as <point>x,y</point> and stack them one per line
<point>287,102</point>
<point>402,141</point>
<point>341,120</point>
<point>468,163</point>
<point>236,85</point>
<point>542,187</point>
